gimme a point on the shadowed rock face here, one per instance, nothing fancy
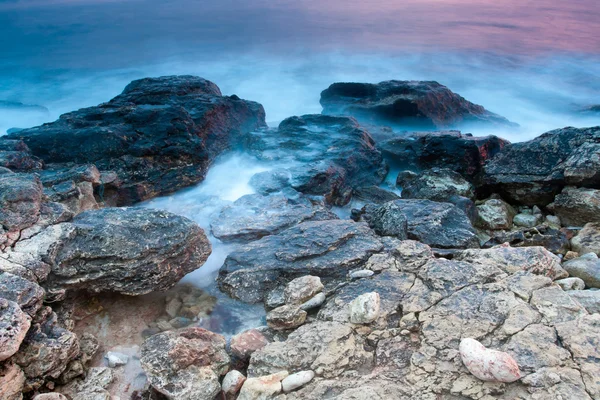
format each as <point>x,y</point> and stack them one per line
<point>422,104</point>
<point>533,172</point>
<point>127,250</point>
<point>462,153</point>
<point>327,249</point>
<point>159,135</point>
<point>324,155</point>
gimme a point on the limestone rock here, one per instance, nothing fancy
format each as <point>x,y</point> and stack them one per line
<point>185,364</point>
<point>571,284</point>
<point>533,172</point>
<point>440,225</point>
<point>302,289</point>
<point>28,295</point>
<point>116,359</point>
<point>365,308</point>
<point>487,364</point>
<point>328,348</point>
<point>20,201</point>
<point>127,250</point>
<point>495,214</point>
<point>589,299</point>
<point>262,388</point>
<point>587,240</point>
<point>424,104</point>
<point>14,324</point>
<point>537,260</point>
<point>581,337</point>
<point>297,380</point>
<point>327,249</point>
<point>158,135</point>
<point>286,317</point>
<point>47,349</point>
<point>462,153</point>
<point>587,268</point>
<point>245,343</point>
<point>326,155</point>
<point>437,184</point>
<point>254,216</point>
<point>527,220</point>
<point>232,383</point>
<point>577,206</point>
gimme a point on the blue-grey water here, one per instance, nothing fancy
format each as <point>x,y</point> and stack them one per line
<point>535,62</point>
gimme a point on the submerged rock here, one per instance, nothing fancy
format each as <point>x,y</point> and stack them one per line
<point>327,249</point>
<point>185,364</point>
<point>533,172</point>
<point>462,153</point>
<point>127,250</point>
<point>324,155</point>
<point>424,104</point>
<point>159,135</point>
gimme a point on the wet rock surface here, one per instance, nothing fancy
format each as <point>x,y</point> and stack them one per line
<point>327,249</point>
<point>534,172</point>
<point>462,153</point>
<point>323,155</point>
<point>159,135</point>
<point>423,104</point>
<point>436,224</point>
<point>254,216</point>
<point>127,250</point>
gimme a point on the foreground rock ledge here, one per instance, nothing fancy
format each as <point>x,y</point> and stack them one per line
<point>132,251</point>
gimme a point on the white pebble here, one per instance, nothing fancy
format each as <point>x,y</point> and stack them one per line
<point>297,380</point>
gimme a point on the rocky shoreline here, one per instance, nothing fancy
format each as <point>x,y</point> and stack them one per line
<point>476,277</point>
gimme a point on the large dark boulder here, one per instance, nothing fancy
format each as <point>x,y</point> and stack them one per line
<point>462,153</point>
<point>423,104</point>
<point>327,249</point>
<point>159,135</point>
<point>132,251</point>
<point>441,225</point>
<point>533,172</point>
<point>324,155</point>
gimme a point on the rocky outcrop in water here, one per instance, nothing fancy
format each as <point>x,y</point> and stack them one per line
<point>322,155</point>
<point>159,135</point>
<point>420,104</point>
<point>462,153</point>
<point>533,172</point>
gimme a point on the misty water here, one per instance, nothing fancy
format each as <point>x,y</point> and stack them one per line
<point>535,62</point>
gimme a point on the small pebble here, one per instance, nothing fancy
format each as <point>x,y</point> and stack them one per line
<point>362,273</point>
<point>297,380</point>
